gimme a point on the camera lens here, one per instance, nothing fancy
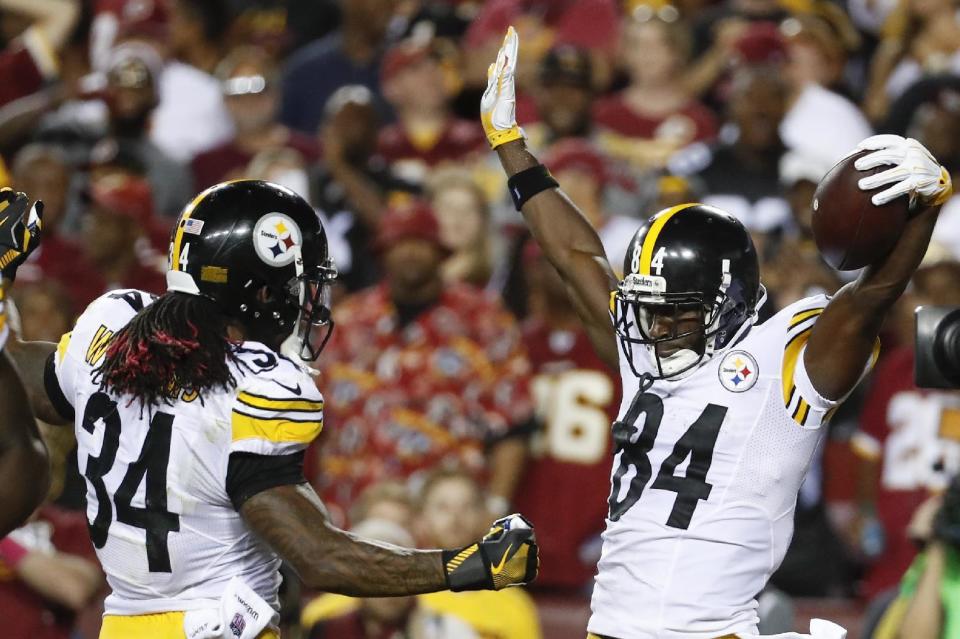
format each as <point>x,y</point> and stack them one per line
<point>947,346</point>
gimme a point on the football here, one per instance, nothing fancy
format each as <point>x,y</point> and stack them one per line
<point>850,231</point>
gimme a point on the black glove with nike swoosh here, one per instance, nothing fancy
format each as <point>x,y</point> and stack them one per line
<point>20,225</point>
<point>506,556</point>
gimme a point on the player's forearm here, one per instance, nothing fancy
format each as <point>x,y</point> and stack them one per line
<point>24,472</point>
<point>31,361</point>
<point>557,225</point>
<point>880,285</point>
<point>924,616</point>
<point>292,521</point>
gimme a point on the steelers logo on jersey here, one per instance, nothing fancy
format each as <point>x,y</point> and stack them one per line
<point>274,238</point>
<point>738,371</point>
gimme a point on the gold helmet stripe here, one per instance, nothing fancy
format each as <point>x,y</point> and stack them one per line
<point>187,212</point>
<point>649,242</point>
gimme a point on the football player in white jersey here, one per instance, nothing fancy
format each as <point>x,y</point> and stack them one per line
<point>24,474</point>
<point>720,417</point>
<point>192,412</point>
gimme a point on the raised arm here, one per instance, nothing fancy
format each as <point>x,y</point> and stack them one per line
<point>568,240</point>
<point>293,521</point>
<point>844,336</point>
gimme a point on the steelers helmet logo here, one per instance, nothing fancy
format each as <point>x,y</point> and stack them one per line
<point>274,237</point>
<point>738,371</point>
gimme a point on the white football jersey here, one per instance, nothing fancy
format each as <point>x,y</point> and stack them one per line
<point>704,483</point>
<point>162,523</point>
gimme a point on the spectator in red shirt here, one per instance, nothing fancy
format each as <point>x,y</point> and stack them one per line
<point>655,115</point>
<point>426,132</point>
<point>42,171</point>
<point>565,486</point>
<point>47,575</point>
<point>419,373</point>
<point>564,96</point>
<point>29,61</point>
<point>116,234</point>
<point>251,93</point>
<point>909,441</point>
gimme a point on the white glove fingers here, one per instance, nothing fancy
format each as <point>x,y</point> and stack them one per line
<point>889,176</point>
<point>877,158</point>
<point>884,140</point>
<point>883,197</point>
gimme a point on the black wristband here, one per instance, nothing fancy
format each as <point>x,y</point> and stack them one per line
<point>466,569</point>
<point>527,183</point>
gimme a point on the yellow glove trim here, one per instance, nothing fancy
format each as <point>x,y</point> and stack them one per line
<point>946,188</point>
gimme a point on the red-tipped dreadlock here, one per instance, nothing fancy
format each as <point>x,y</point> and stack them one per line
<point>177,344</point>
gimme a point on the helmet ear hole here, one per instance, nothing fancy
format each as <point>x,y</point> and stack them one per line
<point>265,295</point>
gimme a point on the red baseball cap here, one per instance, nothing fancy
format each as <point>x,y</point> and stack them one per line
<point>578,154</point>
<point>413,222</point>
<point>402,56</point>
<point>762,42</point>
<point>129,197</point>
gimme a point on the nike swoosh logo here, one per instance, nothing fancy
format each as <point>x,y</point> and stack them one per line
<point>503,561</point>
<point>293,389</point>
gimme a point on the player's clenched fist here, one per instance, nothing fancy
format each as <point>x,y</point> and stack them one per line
<point>20,226</point>
<point>506,556</point>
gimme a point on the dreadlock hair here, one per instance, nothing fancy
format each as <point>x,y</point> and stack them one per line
<point>178,344</point>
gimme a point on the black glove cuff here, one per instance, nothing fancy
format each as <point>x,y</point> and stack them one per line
<point>527,183</point>
<point>465,569</point>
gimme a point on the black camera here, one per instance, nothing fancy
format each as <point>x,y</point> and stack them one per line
<point>938,347</point>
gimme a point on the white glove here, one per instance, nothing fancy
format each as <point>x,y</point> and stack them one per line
<point>498,106</point>
<point>915,171</point>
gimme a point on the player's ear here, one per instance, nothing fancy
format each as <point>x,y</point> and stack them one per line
<point>265,295</point>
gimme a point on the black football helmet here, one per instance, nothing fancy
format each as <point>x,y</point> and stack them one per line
<point>687,261</point>
<point>259,251</point>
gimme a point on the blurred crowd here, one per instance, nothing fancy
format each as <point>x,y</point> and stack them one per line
<point>458,382</point>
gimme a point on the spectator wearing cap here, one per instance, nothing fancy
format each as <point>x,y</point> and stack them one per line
<point>190,117</point>
<point>421,373</point>
<point>131,97</point>
<point>740,172</point>
<point>426,133</point>
<point>353,185</point>
<point>115,235</point>
<point>563,96</point>
<point>348,56</point>
<point>250,85</point>
<point>584,173</point>
<point>655,115</point>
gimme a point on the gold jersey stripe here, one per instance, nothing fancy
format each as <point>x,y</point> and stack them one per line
<point>276,404</point>
<point>275,430</point>
<point>803,316</point>
<point>63,345</point>
<point>650,240</point>
<point>790,355</point>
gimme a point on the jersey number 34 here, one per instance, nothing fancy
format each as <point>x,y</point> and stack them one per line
<point>154,457</point>
<point>633,448</point>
